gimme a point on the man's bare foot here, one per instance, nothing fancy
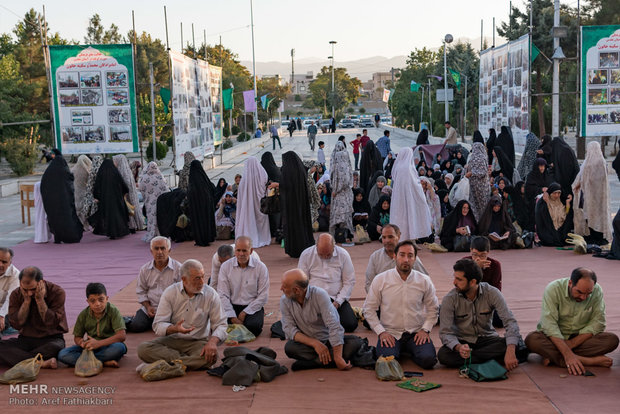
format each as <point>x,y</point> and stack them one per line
<point>50,364</point>
<point>111,364</point>
<point>597,361</point>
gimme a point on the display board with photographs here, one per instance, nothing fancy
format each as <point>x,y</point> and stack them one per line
<point>192,106</point>
<point>504,90</point>
<point>600,80</point>
<point>215,83</point>
<point>94,98</point>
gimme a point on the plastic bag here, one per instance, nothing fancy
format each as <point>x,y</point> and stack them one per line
<point>361,235</point>
<point>161,370</point>
<point>238,334</point>
<point>87,364</point>
<point>24,371</point>
<point>388,369</point>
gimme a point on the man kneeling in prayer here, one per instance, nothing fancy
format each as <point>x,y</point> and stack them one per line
<point>312,327</point>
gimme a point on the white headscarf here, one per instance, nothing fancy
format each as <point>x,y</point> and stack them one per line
<point>408,210</point>
<point>250,221</point>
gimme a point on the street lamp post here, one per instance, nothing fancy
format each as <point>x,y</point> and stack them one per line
<point>333,42</point>
<point>254,68</point>
<point>447,39</point>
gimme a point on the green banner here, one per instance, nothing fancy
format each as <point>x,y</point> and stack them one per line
<point>600,81</point>
<point>227,98</point>
<point>456,76</point>
<point>165,97</point>
<point>94,98</point>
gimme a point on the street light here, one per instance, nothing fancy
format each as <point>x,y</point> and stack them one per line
<point>333,42</point>
<point>446,40</point>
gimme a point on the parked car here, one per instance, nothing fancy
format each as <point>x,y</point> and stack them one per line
<point>367,123</point>
<point>347,123</point>
<point>324,124</point>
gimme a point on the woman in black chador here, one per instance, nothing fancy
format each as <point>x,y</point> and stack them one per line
<point>201,205</point>
<point>112,216</point>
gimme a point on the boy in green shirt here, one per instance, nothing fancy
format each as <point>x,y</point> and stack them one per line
<point>104,328</point>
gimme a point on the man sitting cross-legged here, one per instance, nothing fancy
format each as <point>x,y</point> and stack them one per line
<point>571,329</point>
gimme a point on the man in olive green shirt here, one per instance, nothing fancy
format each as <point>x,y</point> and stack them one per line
<point>103,325</point>
<point>571,329</point>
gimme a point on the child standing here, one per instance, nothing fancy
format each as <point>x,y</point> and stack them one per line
<point>320,155</point>
<point>104,328</point>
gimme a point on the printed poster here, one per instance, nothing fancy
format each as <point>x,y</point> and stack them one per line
<point>94,99</point>
<point>504,90</point>
<point>600,81</point>
<point>215,82</point>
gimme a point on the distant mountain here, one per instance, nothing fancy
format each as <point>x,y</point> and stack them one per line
<point>360,68</point>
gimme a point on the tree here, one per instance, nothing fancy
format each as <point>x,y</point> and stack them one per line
<point>346,90</point>
<point>96,33</point>
<point>275,94</point>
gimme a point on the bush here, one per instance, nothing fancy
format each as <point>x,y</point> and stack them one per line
<point>227,143</point>
<point>297,98</point>
<point>225,132</point>
<point>235,130</point>
<point>21,154</point>
<point>244,136</point>
<point>170,142</point>
<point>350,110</point>
<point>161,148</point>
<point>362,110</point>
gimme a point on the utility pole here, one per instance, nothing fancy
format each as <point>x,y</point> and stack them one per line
<point>153,110</point>
<point>388,103</point>
<point>182,45</point>
<point>581,141</point>
<point>293,71</point>
<point>555,99</point>
<point>333,42</point>
<point>254,68</point>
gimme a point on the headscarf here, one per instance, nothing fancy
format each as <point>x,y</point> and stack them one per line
<point>434,206</point>
<point>451,222</point>
<point>529,154</point>
<point>422,138</point>
<point>188,157</point>
<point>565,165</point>
<point>478,137</point>
<point>220,189</point>
<point>341,210</point>
<point>557,209</point>
<point>547,148</point>
<point>360,206</point>
<point>201,205</point>
<point>591,188</point>
<point>506,167</point>
<point>112,217</point>
<point>89,206</point>
<point>152,184</point>
<point>491,221</point>
<point>297,224</point>
<point>136,167</point>
<point>81,171</point>
<point>269,164</point>
<point>505,141</point>
<point>313,194</point>
<point>479,187</point>
<point>375,192</point>
<point>59,202</point>
<point>370,162</point>
<point>251,222</point>
<point>136,222</point>
<point>491,144</point>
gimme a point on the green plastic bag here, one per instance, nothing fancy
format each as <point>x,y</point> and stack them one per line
<point>388,369</point>
<point>418,385</point>
<point>161,370</point>
<point>238,334</point>
<point>487,371</point>
<point>87,364</point>
<point>24,371</point>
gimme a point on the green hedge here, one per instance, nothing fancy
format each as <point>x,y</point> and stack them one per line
<point>244,136</point>
<point>161,148</point>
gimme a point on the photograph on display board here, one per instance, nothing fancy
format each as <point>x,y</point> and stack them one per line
<point>117,97</point>
<point>82,117</point>
<point>94,133</point>
<point>608,60</point>
<point>597,77</point>
<point>116,79</point>
<point>92,97</point>
<point>120,133</point>
<point>72,134</point>
<point>90,79</point>
<point>118,116</point>
<point>68,80</point>
<point>597,96</point>
<point>614,76</point>
<point>597,116</point>
<point>614,96</point>
<point>69,97</point>
<point>614,116</point>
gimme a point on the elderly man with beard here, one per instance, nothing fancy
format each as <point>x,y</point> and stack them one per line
<point>312,327</point>
<point>466,317</point>
<point>571,329</point>
<point>408,309</point>
<point>189,321</point>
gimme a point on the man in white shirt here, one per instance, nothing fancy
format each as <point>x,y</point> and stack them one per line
<point>9,280</point>
<point>223,253</point>
<point>385,258</point>
<point>408,309</point>
<point>155,276</point>
<point>243,287</point>
<point>330,267</point>
<point>189,321</point>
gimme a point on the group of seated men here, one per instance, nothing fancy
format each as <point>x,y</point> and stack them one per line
<point>190,317</point>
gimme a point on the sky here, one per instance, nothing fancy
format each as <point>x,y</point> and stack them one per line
<point>362,28</point>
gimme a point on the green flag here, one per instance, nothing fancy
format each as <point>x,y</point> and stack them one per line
<point>457,78</point>
<point>414,86</point>
<point>535,53</point>
<point>227,97</point>
<point>165,97</point>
